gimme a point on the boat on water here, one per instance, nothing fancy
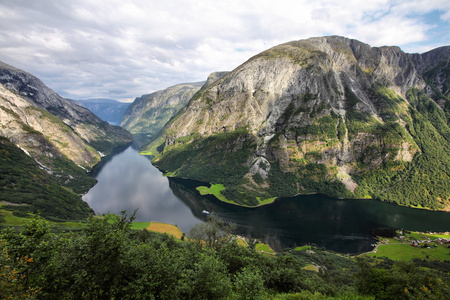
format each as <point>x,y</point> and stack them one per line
<point>205,212</point>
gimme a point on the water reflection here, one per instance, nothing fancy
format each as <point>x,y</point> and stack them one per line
<point>128,181</point>
<point>290,222</point>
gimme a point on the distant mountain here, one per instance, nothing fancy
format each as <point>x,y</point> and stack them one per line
<point>324,115</point>
<point>108,110</point>
<point>148,113</point>
<point>64,139</point>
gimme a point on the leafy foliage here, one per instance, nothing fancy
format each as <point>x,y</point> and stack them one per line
<point>108,260</point>
<point>425,180</point>
<point>213,233</point>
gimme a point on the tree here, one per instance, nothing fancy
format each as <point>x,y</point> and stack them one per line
<point>13,283</point>
<point>208,279</point>
<point>91,264</point>
<point>249,284</point>
<point>213,233</point>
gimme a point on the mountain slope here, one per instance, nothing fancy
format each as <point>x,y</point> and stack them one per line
<point>97,133</point>
<point>325,115</point>
<point>149,113</point>
<point>58,142</point>
<point>25,187</point>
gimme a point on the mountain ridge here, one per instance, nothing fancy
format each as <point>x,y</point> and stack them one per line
<point>84,123</point>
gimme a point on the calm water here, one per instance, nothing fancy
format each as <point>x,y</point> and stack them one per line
<point>128,181</point>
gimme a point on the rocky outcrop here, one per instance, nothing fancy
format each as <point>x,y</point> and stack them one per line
<point>324,112</point>
<point>321,68</point>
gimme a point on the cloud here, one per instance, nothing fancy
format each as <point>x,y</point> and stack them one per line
<point>123,49</point>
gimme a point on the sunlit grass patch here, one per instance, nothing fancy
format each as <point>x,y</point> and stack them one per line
<point>149,153</point>
<point>302,248</point>
<point>139,225</point>
<point>8,219</point>
<point>310,268</point>
<point>214,190</point>
<point>408,252</point>
<point>421,235</point>
<point>265,201</point>
<point>241,242</point>
<point>264,248</point>
<point>165,228</point>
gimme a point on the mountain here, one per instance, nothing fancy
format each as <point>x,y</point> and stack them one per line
<point>326,115</point>
<point>99,134</point>
<point>64,140</point>
<point>148,113</point>
<point>108,110</point>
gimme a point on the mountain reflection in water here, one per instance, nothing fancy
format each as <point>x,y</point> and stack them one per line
<point>128,181</point>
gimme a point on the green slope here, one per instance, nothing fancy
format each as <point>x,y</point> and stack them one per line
<point>23,182</point>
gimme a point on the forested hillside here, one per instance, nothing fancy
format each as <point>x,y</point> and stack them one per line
<point>107,260</point>
<point>24,187</point>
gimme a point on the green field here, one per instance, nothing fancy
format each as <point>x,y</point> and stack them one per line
<point>264,248</point>
<point>403,250</point>
<point>215,190</point>
<point>302,248</point>
<point>265,201</point>
<point>408,252</point>
<point>139,225</point>
<point>8,219</point>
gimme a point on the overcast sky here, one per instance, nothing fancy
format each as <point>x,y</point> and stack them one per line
<point>123,49</point>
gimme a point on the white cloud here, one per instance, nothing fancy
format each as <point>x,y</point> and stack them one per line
<point>122,49</point>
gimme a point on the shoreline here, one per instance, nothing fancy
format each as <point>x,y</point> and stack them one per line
<point>170,175</point>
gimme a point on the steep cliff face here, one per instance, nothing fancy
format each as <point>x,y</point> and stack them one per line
<point>320,115</point>
<point>40,133</point>
<point>149,113</point>
<point>97,133</point>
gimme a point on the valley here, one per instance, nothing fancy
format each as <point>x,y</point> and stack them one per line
<point>281,172</point>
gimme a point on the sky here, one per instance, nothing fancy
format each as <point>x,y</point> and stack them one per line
<point>123,49</point>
